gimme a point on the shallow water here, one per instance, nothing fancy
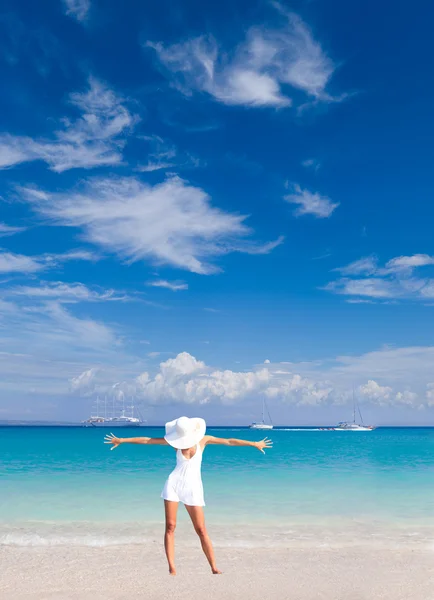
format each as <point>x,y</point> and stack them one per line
<point>61,485</point>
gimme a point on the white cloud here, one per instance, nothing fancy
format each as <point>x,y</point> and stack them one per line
<point>6,230</point>
<point>163,155</point>
<point>430,394</point>
<point>47,348</point>
<point>409,262</point>
<point>92,140</point>
<point>365,266</point>
<point>372,287</point>
<point>79,9</point>
<point>311,163</point>
<point>84,380</point>
<point>175,286</point>
<point>311,203</point>
<point>20,263</point>
<point>396,280</point>
<point>259,71</point>
<point>45,328</point>
<point>374,391</point>
<point>43,345</point>
<point>408,398</point>
<point>184,379</point>
<point>65,292</point>
<point>171,222</point>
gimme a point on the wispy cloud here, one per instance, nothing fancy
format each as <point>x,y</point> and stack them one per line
<point>170,223</point>
<point>6,230</point>
<point>365,266</point>
<point>93,139</point>
<point>65,292</point>
<point>161,155</point>
<point>35,325</point>
<point>21,263</point>
<point>311,163</point>
<point>165,155</point>
<point>175,286</point>
<point>311,203</point>
<point>396,280</point>
<point>79,9</point>
<point>256,73</point>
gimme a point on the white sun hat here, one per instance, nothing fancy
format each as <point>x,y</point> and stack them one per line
<point>185,433</point>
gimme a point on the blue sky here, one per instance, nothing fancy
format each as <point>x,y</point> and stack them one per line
<point>208,204</point>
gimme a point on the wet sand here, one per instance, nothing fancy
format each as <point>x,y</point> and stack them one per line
<point>133,572</point>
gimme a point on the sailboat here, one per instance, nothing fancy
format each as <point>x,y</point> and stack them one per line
<point>353,426</point>
<point>116,420</point>
<point>262,424</point>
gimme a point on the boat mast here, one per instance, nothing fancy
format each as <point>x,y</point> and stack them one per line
<point>354,407</point>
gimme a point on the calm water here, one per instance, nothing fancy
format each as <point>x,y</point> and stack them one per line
<point>62,485</point>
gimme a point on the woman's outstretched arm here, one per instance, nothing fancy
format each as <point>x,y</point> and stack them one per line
<point>262,445</point>
<point>115,441</point>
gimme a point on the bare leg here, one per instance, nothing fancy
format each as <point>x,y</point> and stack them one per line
<point>198,519</point>
<point>171,509</point>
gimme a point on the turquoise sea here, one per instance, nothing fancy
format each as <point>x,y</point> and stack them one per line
<point>61,485</point>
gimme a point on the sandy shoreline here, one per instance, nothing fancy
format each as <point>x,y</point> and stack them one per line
<point>121,572</point>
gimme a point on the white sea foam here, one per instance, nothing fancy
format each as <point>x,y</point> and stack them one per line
<point>236,536</point>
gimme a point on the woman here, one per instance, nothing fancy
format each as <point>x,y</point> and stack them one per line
<point>184,484</point>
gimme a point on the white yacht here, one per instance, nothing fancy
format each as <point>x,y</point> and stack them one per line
<point>262,424</point>
<point>119,420</point>
<point>353,426</point>
<point>347,426</point>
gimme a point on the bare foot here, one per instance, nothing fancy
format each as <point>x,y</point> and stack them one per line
<point>216,572</point>
<point>172,572</point>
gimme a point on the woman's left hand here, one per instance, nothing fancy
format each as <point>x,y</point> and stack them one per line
<point>263,444</point>
<point>112,439</point>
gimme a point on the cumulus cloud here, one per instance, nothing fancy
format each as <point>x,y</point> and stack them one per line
<point>257,73</point>
<point>79,9</point>
<point>175,286</point>
<point>93,139</point>
<point>374,391</point>
<point>184,379</point>
<point>171,223</point>
<point>311,203</point>
<point>396,280</point>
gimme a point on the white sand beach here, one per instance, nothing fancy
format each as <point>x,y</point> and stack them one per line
<point>133,572</point>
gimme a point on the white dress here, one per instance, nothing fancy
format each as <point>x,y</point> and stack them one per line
<point>184,484</point>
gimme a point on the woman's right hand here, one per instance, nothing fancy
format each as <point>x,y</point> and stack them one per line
<point>112,439</point>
